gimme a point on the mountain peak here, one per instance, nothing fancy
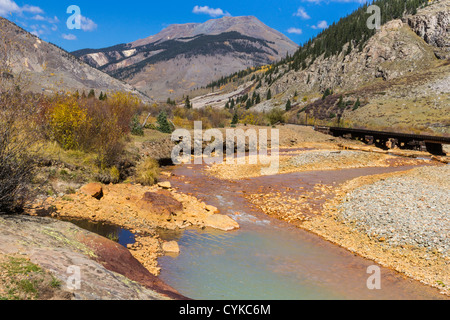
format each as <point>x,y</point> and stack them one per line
<point>246,25</point>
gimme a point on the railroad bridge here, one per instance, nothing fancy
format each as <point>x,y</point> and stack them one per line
<point>390,140</point>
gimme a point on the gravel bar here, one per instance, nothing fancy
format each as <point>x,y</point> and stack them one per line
<point>411,209</point>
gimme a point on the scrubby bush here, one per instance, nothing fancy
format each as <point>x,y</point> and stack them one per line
<point>91,125</point>
<point>17,139</point>
<point>67,121</point>
<point>275,116</point>
<point>147,172</point>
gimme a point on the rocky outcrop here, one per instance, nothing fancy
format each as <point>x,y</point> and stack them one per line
<point>107,271</point>
<point>433,25</point>
<point>161,204</point>
<point>393,52</point>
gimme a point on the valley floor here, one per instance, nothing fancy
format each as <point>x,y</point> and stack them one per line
<point>399,219</point>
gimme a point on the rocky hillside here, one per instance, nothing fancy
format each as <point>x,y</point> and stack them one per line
<point>45,67</point>
<point>187,56</point>
<point>399,77</point>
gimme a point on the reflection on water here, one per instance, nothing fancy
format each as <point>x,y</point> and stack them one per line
<point>114,233</point>
<point>268,258</point>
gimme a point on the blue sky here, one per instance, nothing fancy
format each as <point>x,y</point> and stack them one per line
<point>106,23</point>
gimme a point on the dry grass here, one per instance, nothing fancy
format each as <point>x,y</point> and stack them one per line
<point>20,279</point>
<point>147,172</point>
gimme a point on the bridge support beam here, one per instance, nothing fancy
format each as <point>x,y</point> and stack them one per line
<point>435,148</point>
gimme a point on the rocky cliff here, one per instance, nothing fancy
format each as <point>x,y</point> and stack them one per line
<point>433,25</point>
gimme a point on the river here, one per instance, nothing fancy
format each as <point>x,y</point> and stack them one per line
<point>269,259</point>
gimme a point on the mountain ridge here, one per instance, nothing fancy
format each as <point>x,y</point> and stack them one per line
<point>49,68</point>
<point>400,75</point>
<point>222,45</point>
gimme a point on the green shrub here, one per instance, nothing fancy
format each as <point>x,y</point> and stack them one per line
<point>276,116</point>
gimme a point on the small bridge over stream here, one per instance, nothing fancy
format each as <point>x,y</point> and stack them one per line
<point>390,140</point>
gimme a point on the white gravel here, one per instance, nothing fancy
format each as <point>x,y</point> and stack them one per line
<point>323,155</point>
<point>410,209</point>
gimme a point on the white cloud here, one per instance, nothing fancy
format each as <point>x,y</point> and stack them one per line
<point>38,17</point>
<point>295,30</point>
<point>302,14</point>
<point>321,25</point>
<point>47,19</point>
<point>69,37</point>
<point>87,24</point>
<point>31,9</point>
<point>210,11</point>
<point>8,7</point>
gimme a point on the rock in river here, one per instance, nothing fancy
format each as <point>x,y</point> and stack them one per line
<point>221,222</point>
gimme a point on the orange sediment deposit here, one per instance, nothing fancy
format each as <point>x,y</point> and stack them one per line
<point>141,210</point>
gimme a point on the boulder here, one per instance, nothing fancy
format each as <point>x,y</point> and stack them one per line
<point>221,222</point>
<point>165,185</point>
<point>171,247</point>
<point>161,204</point>
<point>94,190</point>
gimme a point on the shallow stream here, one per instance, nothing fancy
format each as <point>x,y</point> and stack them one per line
<point>268,258</point>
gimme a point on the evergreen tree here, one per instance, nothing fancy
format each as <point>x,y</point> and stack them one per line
<point>269,95</point>
<point>341,103</point>
<point>235,120</point>
<point>135,126</point>
<point>258,99</point>
<point>357,105</point>
<point>249,104</point>
<point>288,105</point>
<point>163,124</point>
<point>91,94</point>
<point>327,93</point>
<point>187,103</point>
<point>101,96</point>
<point>83,96</point>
